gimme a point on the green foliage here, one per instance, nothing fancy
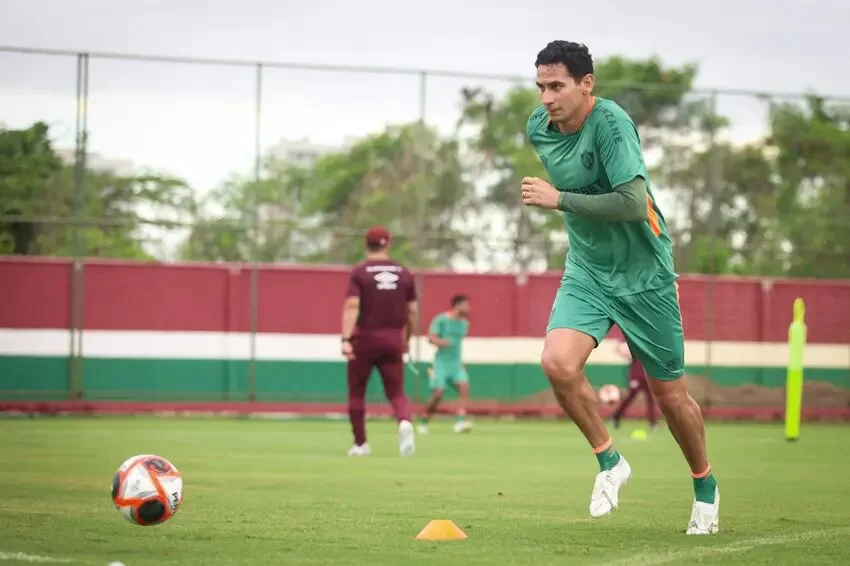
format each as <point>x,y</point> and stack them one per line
<point>37,194</point>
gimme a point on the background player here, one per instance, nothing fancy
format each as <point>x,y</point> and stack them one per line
<point>447,332</point>
<point>637,383</point>
<point>378,319</point>
<point>619,270</point>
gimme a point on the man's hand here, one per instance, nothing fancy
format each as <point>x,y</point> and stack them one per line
<point>539,193</point>
<point>347,350</point>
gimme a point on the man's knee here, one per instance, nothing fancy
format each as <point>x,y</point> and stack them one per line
<point>562,367</point>
<point>670,394</point>
<point>565,351</point>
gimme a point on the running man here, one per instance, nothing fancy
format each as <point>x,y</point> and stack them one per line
<point>447,332</point>
<point>619,270</point>
<point>378,319</point>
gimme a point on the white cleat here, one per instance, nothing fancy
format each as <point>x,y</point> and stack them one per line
<point>705,517</point>
<point>360,450</point>
<point>462,426</point>
<point>422,429</point>
<point>606,488</point>
<point>406,442</point>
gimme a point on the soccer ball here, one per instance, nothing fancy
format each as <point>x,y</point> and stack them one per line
<point>609,394</point>
<point>147,489</point>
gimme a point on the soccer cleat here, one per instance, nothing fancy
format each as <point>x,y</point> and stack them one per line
<point>705,517</point>
<point>462,426</point>
<point>406,442</point>
<point>422,429</point>
<point>360,450</point>
<point>606,488</point>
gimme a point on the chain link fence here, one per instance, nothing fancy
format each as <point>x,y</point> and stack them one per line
<point>170,159</point>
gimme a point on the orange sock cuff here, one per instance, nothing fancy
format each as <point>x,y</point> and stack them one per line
<point>603,447</point>
<point>703,474</point>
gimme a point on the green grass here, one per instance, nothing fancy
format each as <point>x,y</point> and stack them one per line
<point>265,492</point>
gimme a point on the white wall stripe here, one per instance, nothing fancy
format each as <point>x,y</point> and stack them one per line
<point>322,347</point>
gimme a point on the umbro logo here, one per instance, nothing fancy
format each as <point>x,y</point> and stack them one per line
<point>386,281</point>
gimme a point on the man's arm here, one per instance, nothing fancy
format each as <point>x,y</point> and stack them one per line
<point>412,317</point>
<point>628,203</point>
<point>618,147</point>
<point>435,331</point>
<point>350,313</point>
<point>351,306</point>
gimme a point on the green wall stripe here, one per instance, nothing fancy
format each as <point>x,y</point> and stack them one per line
<point>178,380</point>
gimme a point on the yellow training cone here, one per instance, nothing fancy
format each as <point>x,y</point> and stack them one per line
<point>441,529</point>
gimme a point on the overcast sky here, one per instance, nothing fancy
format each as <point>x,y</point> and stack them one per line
<point>198,121</point>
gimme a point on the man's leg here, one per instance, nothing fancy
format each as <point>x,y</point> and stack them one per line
<point>391,368</point>
<point>578,322</point>
<point>437,382</point>
<point>621,410</point>
<point>461,384</point>
<point>650,403</point>
<point>652,322</point>
<point>359,370</point>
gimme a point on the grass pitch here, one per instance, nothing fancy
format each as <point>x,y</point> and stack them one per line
<point>268,492</point>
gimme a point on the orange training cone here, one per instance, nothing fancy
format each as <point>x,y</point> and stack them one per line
<point>441,529</point>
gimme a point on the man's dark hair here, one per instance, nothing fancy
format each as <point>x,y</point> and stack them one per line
<point>574,56</point>
<point>375,247</point>
<point>458,299</point>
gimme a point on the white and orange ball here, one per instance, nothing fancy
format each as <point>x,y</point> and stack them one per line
<point>147,489</point>
<point>609,394</point>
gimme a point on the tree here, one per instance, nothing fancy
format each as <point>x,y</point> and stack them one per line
<point>501,150</point>
<point>249,220</point>
<point>405,177</point>
<point>812,146</point>
<point>115,212</point>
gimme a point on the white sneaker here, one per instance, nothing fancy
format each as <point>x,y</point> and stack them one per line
<point>406,442</point>
<point>422,428</point>
<point>705,517</point>
<point>606,488</point>
<point>360,450</point>
<point>462,426</point>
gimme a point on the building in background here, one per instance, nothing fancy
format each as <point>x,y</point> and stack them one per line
<point>303,152</point>
<point>97,162</point>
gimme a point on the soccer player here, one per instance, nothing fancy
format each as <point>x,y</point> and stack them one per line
<point>378,319</point>
<point>619,270</point>
<point>637,383</point>
<point>447,331</point>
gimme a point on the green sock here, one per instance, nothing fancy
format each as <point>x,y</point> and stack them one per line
<point>423,420</point>
<point>608,458</point>
<point>460,417</point>
<point>704,488</point>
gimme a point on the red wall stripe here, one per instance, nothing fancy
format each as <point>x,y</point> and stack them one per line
<point>34,293</point>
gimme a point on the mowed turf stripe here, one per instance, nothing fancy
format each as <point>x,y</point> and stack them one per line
<point>655,558</point>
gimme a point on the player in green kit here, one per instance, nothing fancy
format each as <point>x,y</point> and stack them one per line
<point>447,332</point>
<point>619,270</point>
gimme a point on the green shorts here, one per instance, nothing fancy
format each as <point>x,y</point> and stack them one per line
<point>444,374</point>
<point>651,322</point>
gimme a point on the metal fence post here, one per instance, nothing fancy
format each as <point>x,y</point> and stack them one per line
<point>255,222</point>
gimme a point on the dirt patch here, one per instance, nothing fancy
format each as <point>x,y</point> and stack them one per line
<point>708,394</point>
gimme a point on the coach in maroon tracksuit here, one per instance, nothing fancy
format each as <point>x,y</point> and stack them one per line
<point>378,320</point>
<point>637,383</point>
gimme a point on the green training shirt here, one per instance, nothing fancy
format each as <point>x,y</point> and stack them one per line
<point>454,330</point>
<point>621,257</point>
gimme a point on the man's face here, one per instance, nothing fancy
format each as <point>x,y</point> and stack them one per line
<point>559,92</point>
<point>462,309</point>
